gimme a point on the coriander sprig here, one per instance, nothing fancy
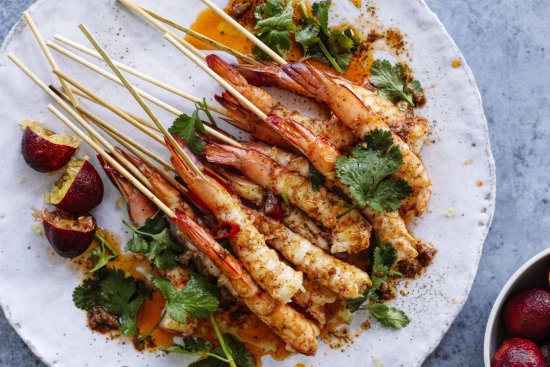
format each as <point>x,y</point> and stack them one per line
<point>367,173</point>
<point>392,82</point>
<point>199,299</point>
<point>119,295</point>
<point>384,259</point>
<point>155,240</point>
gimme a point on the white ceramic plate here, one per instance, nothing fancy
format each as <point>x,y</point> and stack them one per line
<point>36,285</point>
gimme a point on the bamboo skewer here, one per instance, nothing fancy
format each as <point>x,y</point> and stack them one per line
<point>116,110</point>
<point>119,136</point>
<point>47,53</point>
<point>75,115</point>
<point>136,9</point>
<point>141,187</point>
<point>201,37</point>
<point>244,31</point>
<point>141,93</point>
<point>132,71</point>
<point>245,102</point>
<point>142,103</point>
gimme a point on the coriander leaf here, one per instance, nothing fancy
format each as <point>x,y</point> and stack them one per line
<point>274,23</point>
<point>99,255</point>
<point>119,295</point>
<point>317,179</point>
<point>241,355</point>
<point>199,298</point>
<point>379,140</point>
<point>367,173</point>
<point>86,296</point>
<point>191,345</point>
<point>388,194</point>
<point>384,258</point>
<point>155,240</point>
<point>320,11</point>
<point>392,82</point>
<point>202,296</point>
<point>356,303</point>
<point>186,127</point>
<point>308,37</point>
<point>388,316</point>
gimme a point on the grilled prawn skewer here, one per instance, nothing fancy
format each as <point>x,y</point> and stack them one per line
<point>344,279</point>
<point>360,118</point>
<point>263,263</point>
<point>388,226</point>
<point>299,333</point>
<point>312,299</point>
<point>339,134</point>
<point>351,233</point>
<point>413,130</point>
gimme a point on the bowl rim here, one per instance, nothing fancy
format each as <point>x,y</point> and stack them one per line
<point>498,302</point>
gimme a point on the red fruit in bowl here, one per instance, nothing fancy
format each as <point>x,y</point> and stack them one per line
<point>518,352</point>
<point>79,190</point>
<point>527,314</point>
<point>70,236</point>
<point>45,151</point>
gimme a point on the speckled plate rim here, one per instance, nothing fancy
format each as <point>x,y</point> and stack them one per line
<point>497,305</point>
<point>27,339</point>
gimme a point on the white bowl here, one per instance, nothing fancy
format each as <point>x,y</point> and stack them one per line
<point>533,274</point>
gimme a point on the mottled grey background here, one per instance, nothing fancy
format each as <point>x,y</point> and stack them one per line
<point>506,43</point>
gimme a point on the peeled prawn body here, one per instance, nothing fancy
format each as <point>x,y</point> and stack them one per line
<point>388,226</point>
<point>263,263</point>
<point>342,278</point>
<point>350,233</point>
<point>361,119</point>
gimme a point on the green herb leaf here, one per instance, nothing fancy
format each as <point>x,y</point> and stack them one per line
<point>119,295</point>
<point>186,127</point>
<point>317,179</point>
<point>388,316</point>
<point>155,240</point>
<point>392,82</point>
<point>355,304</point>
<point>102,254</point>
<point>199,298</point>
<point>191,345</point>
<point>384,258</point>
<point>275,23</point>
<point>334,47</point>
<point>320,11</point>
<point>241,355</point>
<point>367,173</point>
<point>86,296</point>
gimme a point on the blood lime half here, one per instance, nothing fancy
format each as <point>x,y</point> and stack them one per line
<point>45,151</point>
<point>79,190</point>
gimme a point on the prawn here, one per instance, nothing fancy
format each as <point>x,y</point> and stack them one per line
<point>350,233</point>
<point>361,119</point>
<point>299,333</point>
<point>340,135</point>
<point>412,129</point>
<point>344,279</point>
<point>389,226</point>
<point>263,263</point>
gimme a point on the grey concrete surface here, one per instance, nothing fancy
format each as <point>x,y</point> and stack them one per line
<point>506,43</point>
